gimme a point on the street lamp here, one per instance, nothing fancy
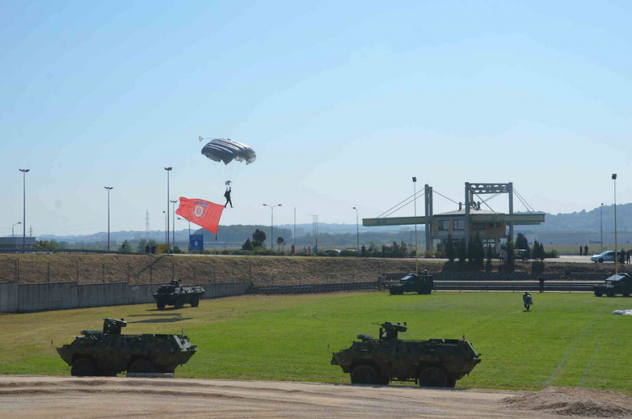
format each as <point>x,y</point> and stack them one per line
<point>173,206</point>
<point>415,205</point>
<point>109,188</point>
<point>601,225</point>
<point>166,225</point>
<point>12,232</point>
<point>272,222</point>
<point>616,256</point>
<point>24,172</point>
<point>357,231</point>
<point>168,169</point>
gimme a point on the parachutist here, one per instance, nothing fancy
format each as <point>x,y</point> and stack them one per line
<point>227,196</point>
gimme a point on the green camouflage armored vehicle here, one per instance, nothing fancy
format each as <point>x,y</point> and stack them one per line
<point>177,295</point>
<point>431,363</point>
<point>616,284</point>
<point>421,284</point>
<point>108,352</point>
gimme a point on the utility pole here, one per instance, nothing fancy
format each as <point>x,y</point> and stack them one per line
<point>272,222</point>
<point>174,222</point>
<point>24,172</point>
<point>109,188</point>
<point>616,256</point>
<point>168,169</point>
<point>601,225</point>
<point>357,230</point>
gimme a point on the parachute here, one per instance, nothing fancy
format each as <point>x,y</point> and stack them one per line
<point>226,150</point>
<point>231,154</point>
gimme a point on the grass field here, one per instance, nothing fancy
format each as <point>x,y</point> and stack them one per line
<point>566,340</point>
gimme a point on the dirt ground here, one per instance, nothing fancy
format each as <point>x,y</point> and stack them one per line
<point>263,271</point>
<point>68,397</point>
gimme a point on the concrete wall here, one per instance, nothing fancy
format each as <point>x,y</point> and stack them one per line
<point>20,298</point>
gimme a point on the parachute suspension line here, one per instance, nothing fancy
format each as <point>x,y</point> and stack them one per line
<point>524,202</point>
<point>400,205</point>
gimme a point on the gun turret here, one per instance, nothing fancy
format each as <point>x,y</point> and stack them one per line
<point>389,330</point>
<point>113,326</point>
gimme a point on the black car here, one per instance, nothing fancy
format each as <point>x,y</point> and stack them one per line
<point>616,284</point>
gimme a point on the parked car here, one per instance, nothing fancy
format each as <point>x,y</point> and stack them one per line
<point>607,256</point>
<point>522,254</point>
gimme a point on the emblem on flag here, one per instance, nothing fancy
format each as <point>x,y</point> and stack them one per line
<point>199,209</point>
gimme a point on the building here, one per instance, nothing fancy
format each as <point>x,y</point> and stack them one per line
<point>468,220</point>
<point>14,244</point>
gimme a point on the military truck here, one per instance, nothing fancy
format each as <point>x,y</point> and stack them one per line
<point>616,284</point>
<point>421,284</point>
<point>178,295</point>
<point>431,363</point>
<point>108,352</point>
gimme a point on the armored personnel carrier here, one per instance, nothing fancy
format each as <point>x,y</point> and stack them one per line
<point>108,352</point>
<point>616,284</point>
<point>177,295</point>
<point>421,284</point>
<point>431,363</point>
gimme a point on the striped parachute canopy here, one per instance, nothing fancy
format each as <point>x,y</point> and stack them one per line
<point>226,150</point>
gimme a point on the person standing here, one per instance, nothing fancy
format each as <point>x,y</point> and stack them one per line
<point>580,250</point>
<point>541,280</point>
<point>586,250</point>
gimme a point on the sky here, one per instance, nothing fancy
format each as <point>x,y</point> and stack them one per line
<point>343,103</point>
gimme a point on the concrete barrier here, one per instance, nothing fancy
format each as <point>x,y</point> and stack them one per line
<point>8,297</point>
<point>21,298</point>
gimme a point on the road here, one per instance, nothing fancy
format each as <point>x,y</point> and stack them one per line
<point>67,397</point>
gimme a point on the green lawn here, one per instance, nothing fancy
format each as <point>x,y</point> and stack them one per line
<point>566,340</point>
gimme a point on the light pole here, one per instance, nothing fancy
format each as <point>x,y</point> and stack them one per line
<point>415,205</point>
<point>109,188</point>
<point>24,172</point>
<point>173,207</point>
<point>272,222</point>
<point>12,232</point>
<point>168,169</point>
<point>616,255</point>
<point>601,225</point>
<point>166,224</point>
<point>357,231</point>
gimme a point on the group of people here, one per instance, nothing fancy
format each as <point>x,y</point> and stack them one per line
<point>624,257</point>
<point>583,251</point>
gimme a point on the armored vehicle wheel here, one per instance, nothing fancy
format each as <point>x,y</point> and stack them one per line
<point>610,293</point>
<point>82,368</point>
<point>179,303</point>
<point>400,291</point>
<point>160,305</point>
<point>433,377</point>
<point>363,374</point>
<point>451,383</point>
<point>142,365</point>
<point>392,291</point>
<point>598,293</point>
<point>195,301</point>
<point>626,294</point>
<point>384,380</point>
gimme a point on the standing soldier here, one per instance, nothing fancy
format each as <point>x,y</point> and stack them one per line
<point>586,250</point>
<point>580,250</point>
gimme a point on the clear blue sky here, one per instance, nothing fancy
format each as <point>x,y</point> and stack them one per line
<point>343,102</point>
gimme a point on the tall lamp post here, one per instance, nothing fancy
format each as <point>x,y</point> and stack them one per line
<point>168,169</point>
<point>601,225</point>
<point>166,233</point>
<point>357,231</point>
<point>24,172</point>
<point>415,205</point>
<point>109,188</point>
<point>173,236</point>
<point>616,255</point>
<point>12,231</point>
<point>272,222</point>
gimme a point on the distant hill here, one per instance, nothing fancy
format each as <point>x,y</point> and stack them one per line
<point>588,221</point>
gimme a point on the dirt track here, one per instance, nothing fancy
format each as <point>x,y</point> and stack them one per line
<point>67,397</point>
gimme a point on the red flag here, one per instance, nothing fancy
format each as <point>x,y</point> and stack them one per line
<point>203,213</point>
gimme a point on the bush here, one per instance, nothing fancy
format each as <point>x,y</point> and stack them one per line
<point>552,254</point>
